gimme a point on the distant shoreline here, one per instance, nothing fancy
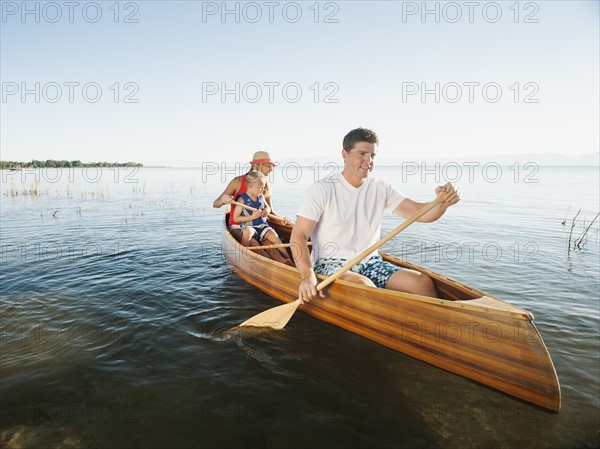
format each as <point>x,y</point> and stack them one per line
<point>52,163</point>
<point>422,165</point>
<point>330,165</point>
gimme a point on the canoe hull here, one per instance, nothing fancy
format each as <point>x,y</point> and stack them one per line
<point>474,335</point>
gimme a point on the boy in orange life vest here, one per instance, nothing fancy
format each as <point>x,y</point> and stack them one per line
<point>254,223</point>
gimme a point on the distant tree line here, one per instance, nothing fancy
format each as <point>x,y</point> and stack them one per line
<point>51,163</point>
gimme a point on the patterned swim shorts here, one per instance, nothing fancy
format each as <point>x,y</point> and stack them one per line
<point>375,268</point>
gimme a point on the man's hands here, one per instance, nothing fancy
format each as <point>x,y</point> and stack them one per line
<point>307,290</point>
<point>451,195</point>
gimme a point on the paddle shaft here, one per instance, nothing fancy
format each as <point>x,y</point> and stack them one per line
<point>245,206</point>
<point>439,199</point>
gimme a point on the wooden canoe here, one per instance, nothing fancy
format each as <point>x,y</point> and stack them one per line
<point>466,331</point>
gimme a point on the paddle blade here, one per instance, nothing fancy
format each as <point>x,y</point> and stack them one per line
<point>276,318</point>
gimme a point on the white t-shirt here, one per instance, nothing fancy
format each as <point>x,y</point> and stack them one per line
<point>348,218</point>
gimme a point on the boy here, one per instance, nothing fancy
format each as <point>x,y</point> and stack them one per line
<point>254,223</point>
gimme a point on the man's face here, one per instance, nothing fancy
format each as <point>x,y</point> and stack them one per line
<point>360,160</point>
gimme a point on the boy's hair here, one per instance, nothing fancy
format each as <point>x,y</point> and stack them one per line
<point>359,135</point>
<point>255,176</point>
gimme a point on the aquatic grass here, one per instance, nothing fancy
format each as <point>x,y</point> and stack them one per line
<point>32,190</point>
<point>579,242</point>
<point>36,190</point>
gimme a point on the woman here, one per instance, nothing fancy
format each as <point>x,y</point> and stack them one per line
<point>261,162</point>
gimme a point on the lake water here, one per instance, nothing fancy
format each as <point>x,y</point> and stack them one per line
<point>115,297</point>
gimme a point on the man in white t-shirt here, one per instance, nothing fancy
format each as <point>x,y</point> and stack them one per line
<point>342,215</point>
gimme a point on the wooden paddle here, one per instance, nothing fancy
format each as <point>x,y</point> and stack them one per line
<point>278,317</point>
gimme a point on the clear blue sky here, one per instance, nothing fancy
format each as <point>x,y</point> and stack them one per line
<point>453,80</point>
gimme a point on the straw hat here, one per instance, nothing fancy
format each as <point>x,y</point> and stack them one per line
<point>262,157</point>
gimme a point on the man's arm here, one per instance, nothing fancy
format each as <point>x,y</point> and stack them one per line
<point>303,228</point>
<point>407,208</point>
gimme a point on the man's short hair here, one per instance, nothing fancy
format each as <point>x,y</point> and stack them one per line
<point>359,135</point>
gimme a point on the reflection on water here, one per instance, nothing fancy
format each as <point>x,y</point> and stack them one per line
<point>119,321</point>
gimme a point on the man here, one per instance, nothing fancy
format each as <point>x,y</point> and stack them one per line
<point>342,214</point>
